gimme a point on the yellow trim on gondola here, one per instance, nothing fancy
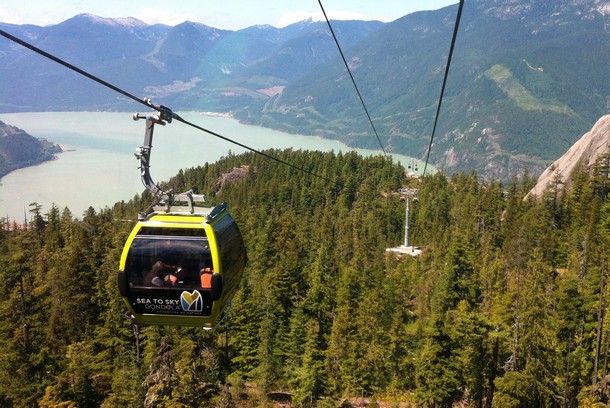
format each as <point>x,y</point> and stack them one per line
<point>189,222</point>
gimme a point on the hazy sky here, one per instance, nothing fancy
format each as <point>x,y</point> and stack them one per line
<point>226,14</point>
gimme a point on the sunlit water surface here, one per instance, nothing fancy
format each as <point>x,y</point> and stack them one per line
<point>99,167</point>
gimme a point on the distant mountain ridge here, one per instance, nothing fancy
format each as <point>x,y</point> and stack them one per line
<point>527,79</point>
<point>190,65</point>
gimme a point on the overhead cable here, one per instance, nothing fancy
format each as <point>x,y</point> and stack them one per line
<point>440,101</point>
<point>349,71</point>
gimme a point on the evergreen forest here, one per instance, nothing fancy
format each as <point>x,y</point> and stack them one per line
<point>505,308</point>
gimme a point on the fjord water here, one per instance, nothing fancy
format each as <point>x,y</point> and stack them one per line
<point>99,168</point>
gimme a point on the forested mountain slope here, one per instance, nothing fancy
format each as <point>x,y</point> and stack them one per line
<point>19,149</point>
<point>507,304</point>
<point>526,80</point>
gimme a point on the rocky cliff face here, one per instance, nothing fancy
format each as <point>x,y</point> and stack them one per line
<point>586,150</point>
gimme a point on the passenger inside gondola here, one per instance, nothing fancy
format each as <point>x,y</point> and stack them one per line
<point>162,274</point>
<point>206,277</point>
<point>154,262</point>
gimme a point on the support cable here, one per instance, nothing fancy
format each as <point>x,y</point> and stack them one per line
<point>438,108</point>
<point>349,71</point>
<point>167,114</point>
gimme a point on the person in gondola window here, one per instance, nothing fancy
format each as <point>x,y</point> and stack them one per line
<point>162,274</point>
<point>206,278</point>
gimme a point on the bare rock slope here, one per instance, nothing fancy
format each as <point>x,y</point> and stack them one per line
<point>586,150</point>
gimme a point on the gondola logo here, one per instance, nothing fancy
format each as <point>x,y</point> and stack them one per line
<point>191,301</point>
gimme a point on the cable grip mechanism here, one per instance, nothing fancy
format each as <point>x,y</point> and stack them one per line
<point>164,199</point>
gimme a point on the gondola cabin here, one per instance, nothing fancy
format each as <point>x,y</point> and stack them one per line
<point>182,269</point>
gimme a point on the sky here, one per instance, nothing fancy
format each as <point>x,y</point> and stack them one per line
<point>225,14</point>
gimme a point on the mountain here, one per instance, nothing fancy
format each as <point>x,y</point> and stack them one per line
<point>188,66</point>
<point>19,149</point>
<point>527,77</point>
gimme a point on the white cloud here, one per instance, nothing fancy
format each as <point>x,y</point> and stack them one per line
<point>351,15</point>
<point>9,17</point>
<point>155,16</point>
<point>296,16</point>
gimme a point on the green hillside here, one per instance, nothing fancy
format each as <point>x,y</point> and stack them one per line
<point>19,149</point>
<point>526,82</point>
<point>506,305</point>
